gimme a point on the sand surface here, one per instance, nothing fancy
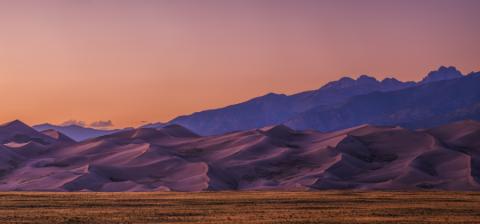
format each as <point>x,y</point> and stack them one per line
<point>272,158</point>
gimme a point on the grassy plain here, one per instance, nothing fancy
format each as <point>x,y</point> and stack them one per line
<point>241,207</point>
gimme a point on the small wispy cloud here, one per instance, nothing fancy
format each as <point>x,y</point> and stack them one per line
<point>101,124</point>
<point>74,122</point>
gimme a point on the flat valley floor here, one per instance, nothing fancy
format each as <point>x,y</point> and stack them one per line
<point>241,207</point>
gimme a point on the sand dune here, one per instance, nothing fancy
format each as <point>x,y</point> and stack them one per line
<point>57,136</point>
<point>276,157</point>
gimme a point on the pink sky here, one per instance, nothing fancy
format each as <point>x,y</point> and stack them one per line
<point>134,61</point>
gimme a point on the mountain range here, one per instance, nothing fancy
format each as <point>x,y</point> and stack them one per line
<point>76,132</point>
<point>360,134</point>
<point>443,96</point>
<point>173,158</point>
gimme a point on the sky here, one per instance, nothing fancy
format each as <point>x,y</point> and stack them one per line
<point>123,63</point>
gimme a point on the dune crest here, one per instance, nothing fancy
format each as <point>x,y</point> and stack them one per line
<point>173,158</point>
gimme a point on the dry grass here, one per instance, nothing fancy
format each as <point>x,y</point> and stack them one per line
<point>241,207</point>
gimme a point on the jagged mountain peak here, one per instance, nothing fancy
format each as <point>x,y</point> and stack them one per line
<point>390,80</point>
<point>442,73</point>
<point>345,79</point>
<point>347,82</point>
<point>367,79</point>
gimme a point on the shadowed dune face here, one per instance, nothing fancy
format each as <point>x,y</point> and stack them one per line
<point>57,136</point>
<point>20,143</point>
<point>277,157</point>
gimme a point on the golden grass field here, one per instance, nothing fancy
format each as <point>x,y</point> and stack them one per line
<point>241,207</point>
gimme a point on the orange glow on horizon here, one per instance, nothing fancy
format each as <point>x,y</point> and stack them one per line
<point>135,61</point>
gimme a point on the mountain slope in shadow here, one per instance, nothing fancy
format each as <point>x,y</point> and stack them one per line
<point>443,96</point>
<point>422,106</point>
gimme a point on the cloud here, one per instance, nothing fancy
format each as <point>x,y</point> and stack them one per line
<point>101,124</point>
<point>95,124</point>
<point>73,122</point>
